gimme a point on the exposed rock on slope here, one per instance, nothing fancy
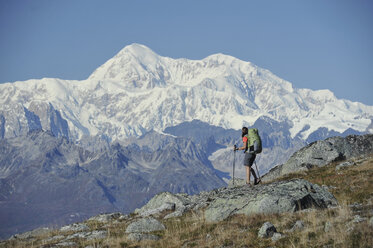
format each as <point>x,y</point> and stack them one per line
<point>277,197</point>
<point>322,152</point>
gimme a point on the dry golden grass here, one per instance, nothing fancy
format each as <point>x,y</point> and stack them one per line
<point>349,185</point>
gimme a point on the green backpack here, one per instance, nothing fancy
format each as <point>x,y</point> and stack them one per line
<point>254,140</point>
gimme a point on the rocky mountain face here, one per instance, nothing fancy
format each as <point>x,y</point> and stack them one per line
<point>47,180</point>
<point>322,152</point>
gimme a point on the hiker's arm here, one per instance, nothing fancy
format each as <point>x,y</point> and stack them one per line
<point>243,147</point>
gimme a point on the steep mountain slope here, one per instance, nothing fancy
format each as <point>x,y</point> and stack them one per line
<point>138,90</point>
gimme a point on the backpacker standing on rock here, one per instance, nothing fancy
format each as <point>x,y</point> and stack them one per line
<point>251,145</point>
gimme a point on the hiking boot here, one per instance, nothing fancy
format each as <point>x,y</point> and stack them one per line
<point>257,181</point>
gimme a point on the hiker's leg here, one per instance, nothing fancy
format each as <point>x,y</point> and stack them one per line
<point>254,174</point>
<point>246,163</point>
<point>251,162</point>
<point>247,174</point>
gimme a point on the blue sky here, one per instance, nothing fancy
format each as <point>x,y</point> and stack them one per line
<point>318,44</point>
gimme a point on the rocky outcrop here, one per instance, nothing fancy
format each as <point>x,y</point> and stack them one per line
<point>105,218</point>
<point>50,118</point>
<point>177,203</point>
<point>145,225</point>
<point>68,236</point>
<point>278,197</point>
<point>31,234</point>
<point>165,201</point>
<point>219,204</point>
<point>74,228</point>
<point>321,153</point>
<point>17,120</point>
<point>267,230</point>
<point>140,229</point>
<point>298,226</point>
<point>88,235</point>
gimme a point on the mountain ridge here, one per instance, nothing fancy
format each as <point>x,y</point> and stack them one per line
<point>41,174</point>
<point>137,91</point>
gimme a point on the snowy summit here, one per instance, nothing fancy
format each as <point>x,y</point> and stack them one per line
<point>138,90</point>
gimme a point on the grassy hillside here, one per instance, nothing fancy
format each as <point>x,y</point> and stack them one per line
<point>344,226</point>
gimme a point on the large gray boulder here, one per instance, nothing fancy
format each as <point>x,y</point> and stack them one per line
<point>277,197</point>
<point>145,225</point>
<point>298,226</point>
<point>321,153</point>
<point>164,201</point>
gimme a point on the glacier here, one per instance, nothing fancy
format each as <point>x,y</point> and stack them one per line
<point>138,90</point>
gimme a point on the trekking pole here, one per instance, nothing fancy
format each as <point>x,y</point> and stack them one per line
<point>257,171</point>
<point>234,161</point>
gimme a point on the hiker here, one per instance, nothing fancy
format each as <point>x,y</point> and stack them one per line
<point>249,156</point>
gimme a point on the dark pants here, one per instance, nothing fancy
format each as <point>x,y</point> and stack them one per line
<point>248,161</point>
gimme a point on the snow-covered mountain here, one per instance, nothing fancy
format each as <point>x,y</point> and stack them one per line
<point>196,109</point>
<point>138,90</point>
